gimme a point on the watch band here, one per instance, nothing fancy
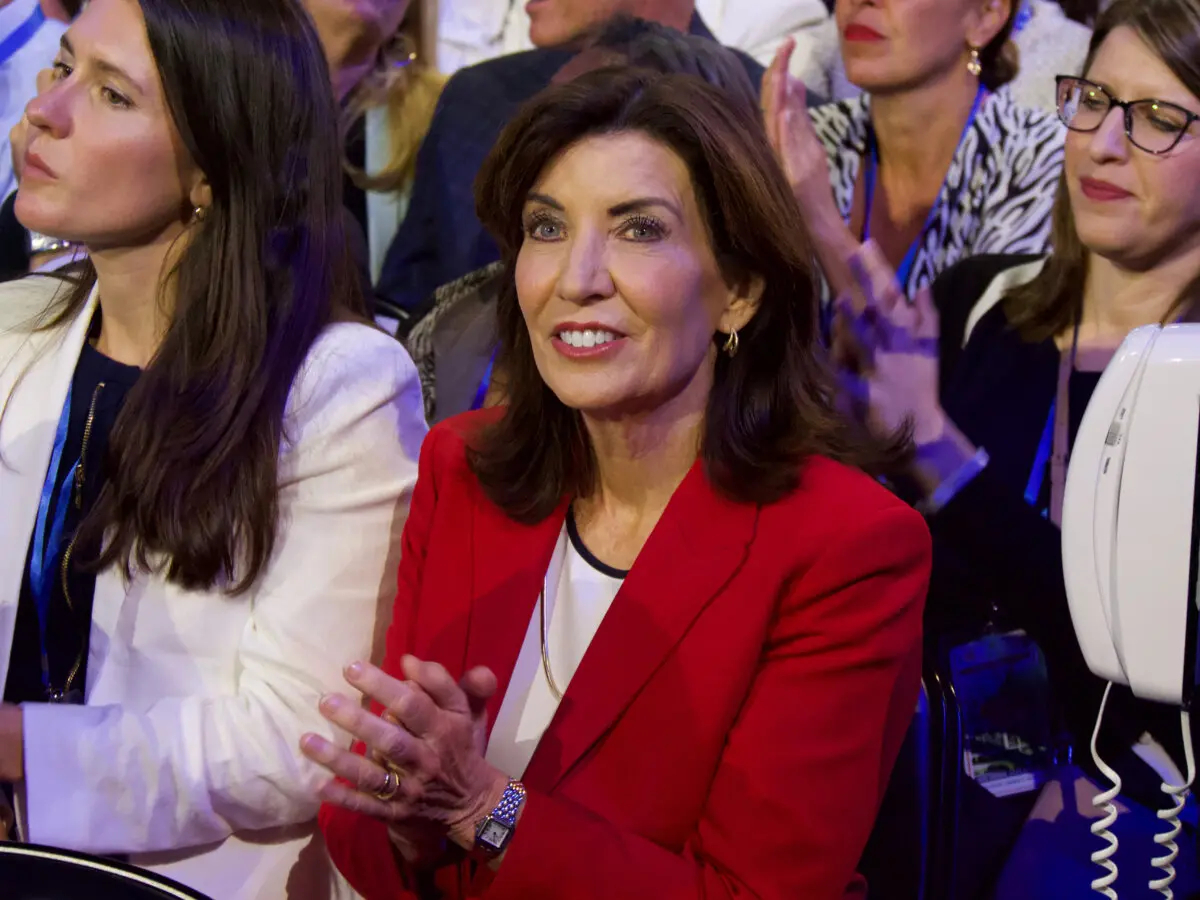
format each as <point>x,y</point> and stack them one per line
<point>496,830</point>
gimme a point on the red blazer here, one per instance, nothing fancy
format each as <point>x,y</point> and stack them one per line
<point>732,726</point>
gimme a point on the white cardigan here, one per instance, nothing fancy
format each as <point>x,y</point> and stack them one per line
<point>186,755</point>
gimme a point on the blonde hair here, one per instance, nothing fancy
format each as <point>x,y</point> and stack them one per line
<point>407,83</point>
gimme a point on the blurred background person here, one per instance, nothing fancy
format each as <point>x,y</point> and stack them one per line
<point>395,104</point>
<point>936,162</point>
<point>688,624</point>
<point>994,444</point>
<point>381,55</point>
<point>184,417</point>
<point>1049,37</point>
<point>29,35</point>
<point>455,343</point>
<point>441,238</point>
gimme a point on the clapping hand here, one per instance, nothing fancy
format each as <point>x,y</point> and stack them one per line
<point>424,772</point>
<point>802,157</point>
<point>792,135</point>
<point>886,350</point>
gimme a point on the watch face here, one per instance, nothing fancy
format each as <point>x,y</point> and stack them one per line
<point>494,834</point>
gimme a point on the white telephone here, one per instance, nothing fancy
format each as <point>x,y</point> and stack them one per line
<point>1128,528</point>
<point>1131,541</point>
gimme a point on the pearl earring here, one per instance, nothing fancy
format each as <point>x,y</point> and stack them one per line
<point>974,66</point>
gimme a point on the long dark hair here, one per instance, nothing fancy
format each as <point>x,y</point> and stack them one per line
<point>1051,302</point>
<point>773,404</point>
<point>191,480</point>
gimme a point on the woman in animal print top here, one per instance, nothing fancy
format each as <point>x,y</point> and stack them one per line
<point>935,162</point>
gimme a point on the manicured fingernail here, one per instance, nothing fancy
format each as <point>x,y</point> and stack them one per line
<point>309,742</point>
<point>354,670</point>
<point>331,701</point>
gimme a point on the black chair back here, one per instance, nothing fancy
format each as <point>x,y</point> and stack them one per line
<point>30,872</point>
<point>910,854</point>
<point>895,860</point>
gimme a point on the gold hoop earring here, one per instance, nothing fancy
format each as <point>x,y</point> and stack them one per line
<point>731,343</point>
<point>974,66</point>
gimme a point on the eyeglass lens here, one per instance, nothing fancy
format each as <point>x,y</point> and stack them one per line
<point>1153,126</point>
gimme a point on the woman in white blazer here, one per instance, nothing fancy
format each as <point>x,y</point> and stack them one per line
<point>205,456</point>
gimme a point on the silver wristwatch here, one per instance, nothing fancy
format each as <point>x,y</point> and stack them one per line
<point>496,830</point>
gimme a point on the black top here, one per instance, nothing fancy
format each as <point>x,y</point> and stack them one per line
<point>14,242</point>
<point>98,389</point>
<point>991,547</point>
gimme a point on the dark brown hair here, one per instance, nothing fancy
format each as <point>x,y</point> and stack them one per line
<point>1052,301</point>
<point>1000,60</point>
<point>773,404</point>
<point>191,471</point>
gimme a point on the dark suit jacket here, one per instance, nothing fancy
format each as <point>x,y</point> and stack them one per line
<point>441,239</point>
<point>733,724</point>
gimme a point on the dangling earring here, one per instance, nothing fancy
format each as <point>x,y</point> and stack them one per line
<point>731,343</point>
<point>974,66</point>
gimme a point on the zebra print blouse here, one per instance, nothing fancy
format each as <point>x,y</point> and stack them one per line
<point>997,195</point>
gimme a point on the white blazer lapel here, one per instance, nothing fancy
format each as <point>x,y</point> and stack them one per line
<point>35,374</point>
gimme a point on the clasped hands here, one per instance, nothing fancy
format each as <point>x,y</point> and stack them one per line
<point>424,772</point>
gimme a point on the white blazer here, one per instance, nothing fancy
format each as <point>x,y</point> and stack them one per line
<point>186,754</point>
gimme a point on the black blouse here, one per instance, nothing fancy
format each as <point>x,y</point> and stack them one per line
<point>98,391</point>
<point>992,548</point>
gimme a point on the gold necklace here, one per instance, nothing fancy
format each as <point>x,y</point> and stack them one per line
<point>558,695</point>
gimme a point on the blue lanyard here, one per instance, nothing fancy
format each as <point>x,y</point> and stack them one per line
<point>1037,475</point>
<point>12,44</point>
<point>481,393</point>
<point>871,174</point>
<point>1046,448</point>
<point>46,549</point>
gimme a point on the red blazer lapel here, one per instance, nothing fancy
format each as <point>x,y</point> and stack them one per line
<point>509,562</point>
<point>699,543</point>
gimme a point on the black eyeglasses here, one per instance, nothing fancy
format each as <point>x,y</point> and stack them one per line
<point>1151,125</point>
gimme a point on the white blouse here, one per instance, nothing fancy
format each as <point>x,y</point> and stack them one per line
<point>579,591</point>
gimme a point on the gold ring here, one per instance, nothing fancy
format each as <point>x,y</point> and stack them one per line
<point>391,784</point>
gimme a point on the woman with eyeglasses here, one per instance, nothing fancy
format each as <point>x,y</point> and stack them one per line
<point>995,442</point>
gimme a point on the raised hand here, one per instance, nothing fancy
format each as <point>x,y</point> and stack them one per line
<point>792,135</point>
<point>887,350</point>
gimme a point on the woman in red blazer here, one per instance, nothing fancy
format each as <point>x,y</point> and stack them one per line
<point>656,635</point>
